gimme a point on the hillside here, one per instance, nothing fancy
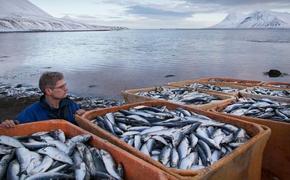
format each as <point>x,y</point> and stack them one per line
<point>256,20</point>
<point>21,15</point>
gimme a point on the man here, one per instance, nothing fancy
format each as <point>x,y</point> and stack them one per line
<point>54,103</point>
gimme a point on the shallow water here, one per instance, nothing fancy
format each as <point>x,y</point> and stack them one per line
<point>105,63</point>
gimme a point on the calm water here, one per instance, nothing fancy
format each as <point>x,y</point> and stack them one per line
<point>104,63</point>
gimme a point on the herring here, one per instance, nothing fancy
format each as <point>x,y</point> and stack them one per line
<point>176,134</point>
<point>44,157</point>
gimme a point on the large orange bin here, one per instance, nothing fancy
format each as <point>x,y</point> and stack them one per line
<point>242,82</point>
<point>134,168</point>
<point>247,93</point>
<point>186,83</point>
<point>276,158</point>
<point>131,97</point>
<point>278,84</point>
<point>242,163</point>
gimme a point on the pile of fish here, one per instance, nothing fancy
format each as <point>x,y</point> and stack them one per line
<point>18,91</point>
<point>179,95</point>
<point>269,92</point>
<point>212,87</point>
<point>260,108</point>
<point>49,155</point>
<point>89,103</point>
<point>176,138</point>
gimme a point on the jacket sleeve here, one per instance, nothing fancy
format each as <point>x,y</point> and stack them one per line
<point>73,107</point>
<point>25,117</point>
<point>76,106</point>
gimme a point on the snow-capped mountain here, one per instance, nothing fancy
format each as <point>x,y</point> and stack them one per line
<point>22,15</point>
<point>257,19</point>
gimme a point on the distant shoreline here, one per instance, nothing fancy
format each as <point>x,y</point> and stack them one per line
<point>163,29</point>
<point>222,29</point>
<point>42,31</point>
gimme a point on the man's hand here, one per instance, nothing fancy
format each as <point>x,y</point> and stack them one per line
<point>80,112</point>
<point>8,123</point>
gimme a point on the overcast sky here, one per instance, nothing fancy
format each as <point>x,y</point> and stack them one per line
<point>156,13</point>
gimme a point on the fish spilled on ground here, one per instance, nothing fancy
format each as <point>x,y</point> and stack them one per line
<point>89,103</point>
<point>260,108</point>
<point>212,87</point>
<point>176,138</point>
<point>179,95</point>
<point>269,92</point>
<point>23,91</point>
<point>18,91</point>
<point>49,155</point>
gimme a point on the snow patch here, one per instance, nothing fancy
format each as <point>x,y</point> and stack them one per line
<point>256,19</point>
<point>21,15</point>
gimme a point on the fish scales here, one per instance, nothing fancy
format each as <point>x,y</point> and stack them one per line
<point>48,162</point>
<point>173,134</point>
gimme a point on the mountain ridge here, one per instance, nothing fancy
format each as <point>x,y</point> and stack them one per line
<point>261,19</point>
<point>23,16</point>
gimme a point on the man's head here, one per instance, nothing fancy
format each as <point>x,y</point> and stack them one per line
<point>53,84</point>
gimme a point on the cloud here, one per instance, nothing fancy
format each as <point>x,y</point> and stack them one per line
<point>239,5</point>
<point>153,12</point>
<point>237,2</point>
<point>157,13</point>
<point>205,18</point>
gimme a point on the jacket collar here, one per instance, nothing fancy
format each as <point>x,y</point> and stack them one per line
<point>44,103</point>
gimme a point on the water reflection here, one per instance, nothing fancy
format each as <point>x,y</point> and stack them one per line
<point>109,62</point>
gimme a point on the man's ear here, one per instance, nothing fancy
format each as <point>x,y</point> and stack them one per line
<point>48,91</point>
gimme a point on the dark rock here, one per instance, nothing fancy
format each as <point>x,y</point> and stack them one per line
<point>92,86</point>
<point>47,67</point>
<point>18,86</point>
<point>169,75</point>
<point>274,73</point>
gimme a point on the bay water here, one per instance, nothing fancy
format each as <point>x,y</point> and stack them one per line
<point>104,63</point>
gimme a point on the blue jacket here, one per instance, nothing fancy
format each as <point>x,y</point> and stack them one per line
<point>40,111</point>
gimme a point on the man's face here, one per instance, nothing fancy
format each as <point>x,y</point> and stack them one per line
<point>60,90</point>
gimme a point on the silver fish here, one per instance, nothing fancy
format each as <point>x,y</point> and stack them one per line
<point>13,170</point>
<point>174,134</point>
<point>188,161</point>
<point>137,142</point>
<point>174,158</point>
<point>45,165</point>
<point>10,141</point>
<point>4,164</point>
<point>5,150</point>
<point>59,135</point>
<point>109,164</point>
<point>25,157</point>
<point>49,175</point>
<point>56,154</point>
<point>164,156</point>
<point>80,171</point>
<point>183,148</point>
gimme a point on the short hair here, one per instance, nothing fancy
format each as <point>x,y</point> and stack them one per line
<point>49,79</point>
